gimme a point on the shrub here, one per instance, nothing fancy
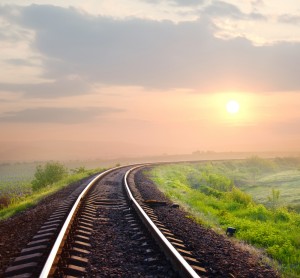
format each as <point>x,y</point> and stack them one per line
<point>258,212</point>
<point>282,214</point>
<point>219,182</point>
<point>239,196</point>
<point>48,174</point>
<point>211,191</point>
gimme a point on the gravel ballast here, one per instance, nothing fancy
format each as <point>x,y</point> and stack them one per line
<point>220,256</point>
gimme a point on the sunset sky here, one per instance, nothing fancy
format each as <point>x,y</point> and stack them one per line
<point>112,78</point>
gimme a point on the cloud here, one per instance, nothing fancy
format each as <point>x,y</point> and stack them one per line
<point>257,4</point>
<point>178,2</point>
<point>151,54</point>
<point>188,2</point>
<point>61,87</point>
<point>9,31</point>
<point>57,115</point>
<point>19,62</point>
<point>220,8</point>
<point>289,19</point>
<point>224,9</point>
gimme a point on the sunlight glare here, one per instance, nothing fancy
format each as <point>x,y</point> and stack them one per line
<point>232,107</point>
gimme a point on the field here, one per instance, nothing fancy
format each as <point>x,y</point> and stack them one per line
<point>15,182</point>
<point>16,185</point>
<point>287,181</point>
<point>258,197</point>
<point>15,178</point>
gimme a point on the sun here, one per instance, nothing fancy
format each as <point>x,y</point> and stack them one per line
<point>232,107</point>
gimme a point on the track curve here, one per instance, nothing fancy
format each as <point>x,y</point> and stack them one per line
<point>70,242</point>
<point>63,246</point>
<point>178,261</point>
<point>108,228</point>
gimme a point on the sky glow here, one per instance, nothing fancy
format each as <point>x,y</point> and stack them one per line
<point>148,77</point>
<point>232,107</point>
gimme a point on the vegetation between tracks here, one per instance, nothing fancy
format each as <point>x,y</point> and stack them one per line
<point>17,195</point>
<point>215,195</point>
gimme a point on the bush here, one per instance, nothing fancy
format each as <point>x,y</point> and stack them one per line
<point>258,212</point>
<point>219,182</point>
<point>48,174</point>
<point>239,196</point>
<point>282,214</point>
<point>211,191</point>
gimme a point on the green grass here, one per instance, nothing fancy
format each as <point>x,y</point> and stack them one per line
<point>215,195</point>
<point>21,196</point>
<point>286,181</point>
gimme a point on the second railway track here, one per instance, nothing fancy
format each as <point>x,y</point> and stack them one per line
<point>108,231</point>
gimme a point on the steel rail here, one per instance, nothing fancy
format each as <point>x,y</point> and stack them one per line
<point>50,260</point>
<point>176,259</point>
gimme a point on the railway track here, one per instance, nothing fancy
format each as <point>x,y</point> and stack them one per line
<point>106,230</point>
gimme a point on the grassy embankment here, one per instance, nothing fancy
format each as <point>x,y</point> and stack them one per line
<point>260,198</point>
<point>17,192</point>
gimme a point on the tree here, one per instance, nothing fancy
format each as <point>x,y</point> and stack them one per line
<point>48,174</point>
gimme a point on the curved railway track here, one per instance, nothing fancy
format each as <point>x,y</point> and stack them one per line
<point>102,230</point>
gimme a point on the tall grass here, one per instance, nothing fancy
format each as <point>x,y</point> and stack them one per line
<point>212,197</point>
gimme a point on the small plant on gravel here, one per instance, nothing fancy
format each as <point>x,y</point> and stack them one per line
<point>48,174</point>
